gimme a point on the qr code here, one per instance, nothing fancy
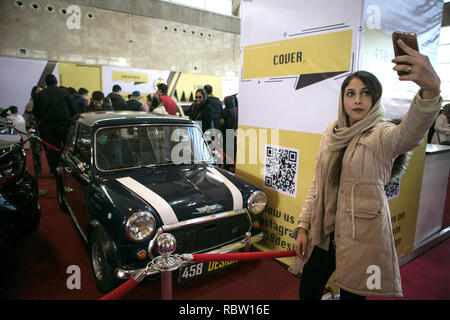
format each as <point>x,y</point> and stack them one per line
<point>280,169</point>
<point>392,189</point>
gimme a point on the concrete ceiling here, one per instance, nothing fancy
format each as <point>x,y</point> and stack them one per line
<point>171,12</point>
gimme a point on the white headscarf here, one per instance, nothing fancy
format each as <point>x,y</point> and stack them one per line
<point>337,140</point>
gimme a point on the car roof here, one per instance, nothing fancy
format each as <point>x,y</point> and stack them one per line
<point>106,118</point>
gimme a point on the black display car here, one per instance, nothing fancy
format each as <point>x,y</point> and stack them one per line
<point>127,177</point>
<point>19,206</point>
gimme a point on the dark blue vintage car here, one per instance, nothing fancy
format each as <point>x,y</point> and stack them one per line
<point>20,212</point>
<point>127,177</point>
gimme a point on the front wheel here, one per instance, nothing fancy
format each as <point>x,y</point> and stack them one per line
<point>101,267</point>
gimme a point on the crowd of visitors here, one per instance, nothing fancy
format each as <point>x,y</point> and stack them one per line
<point>50,109</point>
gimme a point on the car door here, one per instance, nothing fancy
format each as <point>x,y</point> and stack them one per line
<point>76,173</point>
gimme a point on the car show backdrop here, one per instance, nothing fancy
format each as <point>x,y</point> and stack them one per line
<point>295,55</point>
<point>181,85</point>
<point>19,75</point>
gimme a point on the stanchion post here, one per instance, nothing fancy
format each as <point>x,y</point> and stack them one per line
<point>166,263</point>
<point>33,158</point>
<point>166,285</point>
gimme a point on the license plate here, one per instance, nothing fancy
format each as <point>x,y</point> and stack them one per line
<point>195,270</point>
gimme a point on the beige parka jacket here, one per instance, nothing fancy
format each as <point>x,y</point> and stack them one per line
<point>364,240</point>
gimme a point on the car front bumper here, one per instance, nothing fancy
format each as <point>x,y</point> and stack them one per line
<point>232,247</point>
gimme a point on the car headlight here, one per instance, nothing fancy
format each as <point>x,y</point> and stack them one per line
<point>140,226</point>
<point>257,202</point>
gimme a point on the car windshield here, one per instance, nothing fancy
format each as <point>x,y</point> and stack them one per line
<point>149,145</point>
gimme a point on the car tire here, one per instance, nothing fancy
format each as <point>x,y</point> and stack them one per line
<point>60,190</point>
<point>101,268</point>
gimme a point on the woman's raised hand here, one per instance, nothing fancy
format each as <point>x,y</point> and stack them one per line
<point>419,70</point>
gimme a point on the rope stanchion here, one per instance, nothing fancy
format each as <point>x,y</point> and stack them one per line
<point>241,256</point>
<point>24,133</point>
<point>126,287</point>
<point>49,145</point>
<point>33,135</point>
<point>120,291</point>
<point>25,142</point>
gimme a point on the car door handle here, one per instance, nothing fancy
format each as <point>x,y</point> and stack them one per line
<point>68,170</point>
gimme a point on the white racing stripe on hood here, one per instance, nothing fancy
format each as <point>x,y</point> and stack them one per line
<point>235,192</point>
<point>161,206</point>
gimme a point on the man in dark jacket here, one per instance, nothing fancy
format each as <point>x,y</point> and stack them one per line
<point>134,104</point>
<point>117,101</point>
<point>229,127</point>
<point>216,106</point>
<point>53,108</point>
<point>99,103</point>
<point>80,100</point>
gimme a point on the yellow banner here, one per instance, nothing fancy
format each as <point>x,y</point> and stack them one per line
<point>324,53</point>
<point>281,215</point>
<point>127,76</point>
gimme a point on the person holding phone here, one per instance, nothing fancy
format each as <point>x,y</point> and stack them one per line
<point>345,224</point>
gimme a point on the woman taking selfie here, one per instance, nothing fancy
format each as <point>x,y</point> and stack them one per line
<point>345,225</point>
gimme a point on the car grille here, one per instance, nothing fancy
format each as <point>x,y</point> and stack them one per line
<point>209,235</point>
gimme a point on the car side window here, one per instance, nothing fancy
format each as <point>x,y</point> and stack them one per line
<point>83,145</point>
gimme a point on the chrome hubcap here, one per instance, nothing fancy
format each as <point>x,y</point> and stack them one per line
<point>97,262</point>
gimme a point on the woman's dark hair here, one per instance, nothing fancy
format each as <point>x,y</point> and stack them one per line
<point>155,101</point>
<point>229,102</point>
<point>446,108</point>
<point>203,92</point>
<point>371,82</point>
<point>33,91</point>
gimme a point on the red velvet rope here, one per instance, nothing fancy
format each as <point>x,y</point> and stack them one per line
<point>50,146</point>
<point>42,141</point>
<point>24,133</point>
<point>120,291</point>
<point>242,256</point>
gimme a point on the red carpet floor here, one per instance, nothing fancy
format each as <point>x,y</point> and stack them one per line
<point>41,271</point>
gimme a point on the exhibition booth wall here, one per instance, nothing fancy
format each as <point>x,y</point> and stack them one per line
<point>20,75</point>
<point>294,57</point>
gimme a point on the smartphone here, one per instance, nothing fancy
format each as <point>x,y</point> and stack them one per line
<point>410,39</point>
